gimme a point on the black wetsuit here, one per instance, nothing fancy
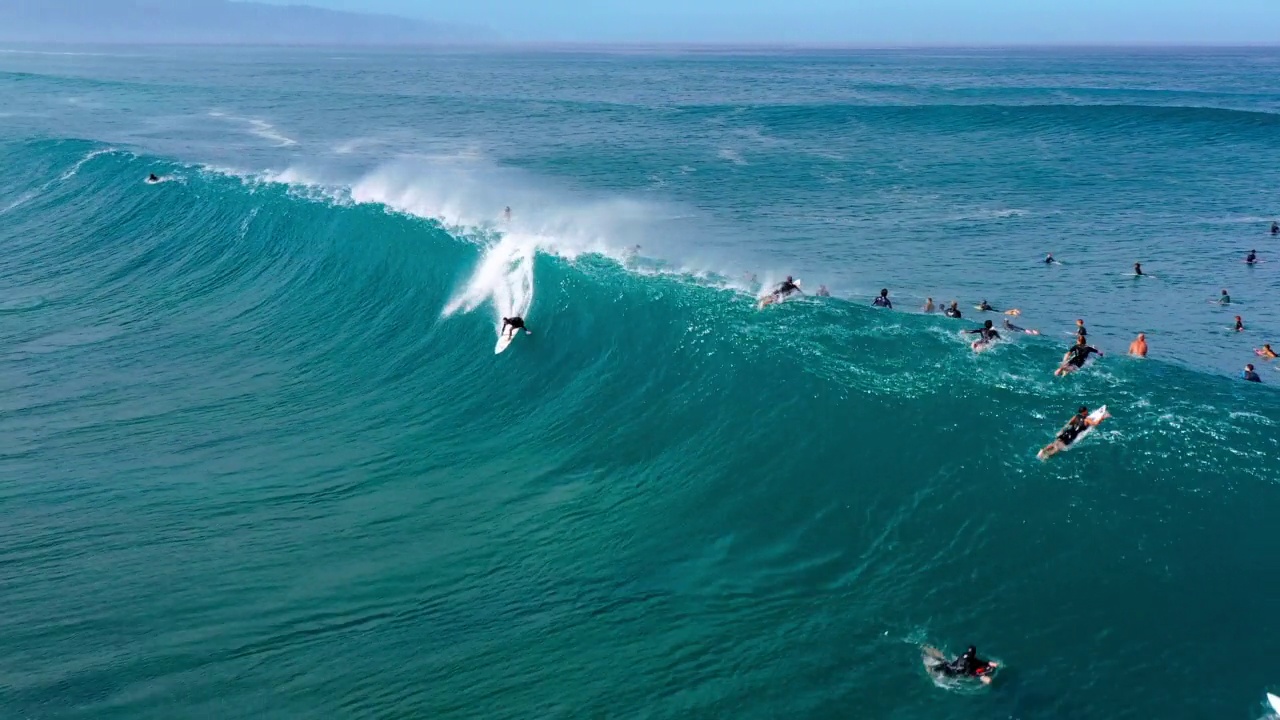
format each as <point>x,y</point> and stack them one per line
<point>516,323</point>
<point>1253,258</point>
<point>951,312</point>
<point>883,302</point>
<point>1251,376</point>
<point>1275,229</point>
<point>967,665</point>
<point>988,334</point>
<point>985,307</point>
<point>1080,353</point>
<point>1081,331</point>
<point>1013,328</point>
<point>1073,428</point>
<point>786,289</point>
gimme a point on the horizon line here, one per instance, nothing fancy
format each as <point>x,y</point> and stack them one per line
<point>678,45</point>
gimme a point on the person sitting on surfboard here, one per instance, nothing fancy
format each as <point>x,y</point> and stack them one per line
<point>516,323</point>
<point>1249,374</point>
<point>1080,330</point>
<point>883,299</point>
<point>1048,259</point>
<point>1137,268</point>
<point>987,332</point>
<point>1266,351</point>
<point>1225,299</point>
<point>1239,324</point>
<point>1075,357</point>
<point>1275,228</point>
<point>953,310</point>
<point>984,306</point>
<point>1138,348</point>
<point>967,665</point>
<point>1252,257</point>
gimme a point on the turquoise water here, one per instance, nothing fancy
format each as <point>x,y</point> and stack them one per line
<point>258,459</point>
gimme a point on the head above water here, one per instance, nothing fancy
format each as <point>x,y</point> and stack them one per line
<point>1224,291</point>
<point>790,279</point>
<point>1079,321</point>
<point>884,292</point>
<point>987,324</point>
<point>1249,367</point>
<point>1084,410</point>
<point>1142,336</point>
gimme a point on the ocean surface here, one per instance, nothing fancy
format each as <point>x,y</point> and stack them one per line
<point>258,457</point>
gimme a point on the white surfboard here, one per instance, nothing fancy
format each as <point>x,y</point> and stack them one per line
<point>503,341</point>
<point>1093,420</point>
<point>1274,702</point>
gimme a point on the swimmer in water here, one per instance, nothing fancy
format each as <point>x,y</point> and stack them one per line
<point>1251,258</point>
<point>1239,324</point>
<point>928,305</point>
<point>953,310</point>
<point>883,299</point>
<point>1137,269</point>
<point>1048,259</point>
<point>1225,299</point>
<point>1266,352</point>
<point>968,665</point>
<point>1275,228</point>
<point>1138,348</point>
<point>1075,357</point>
<point>1250,375</point>
<point>987,332</point>
<point>515,323</point>
<point>1014,328</point>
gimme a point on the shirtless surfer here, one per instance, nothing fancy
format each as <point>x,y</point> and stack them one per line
<point>1138,348</point>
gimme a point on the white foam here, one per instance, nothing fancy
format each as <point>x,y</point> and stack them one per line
<point>80,163</point>
<point>257,127</point>
<point>504,278</point>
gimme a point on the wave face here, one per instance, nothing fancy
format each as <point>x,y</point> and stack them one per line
<point>257,457</point>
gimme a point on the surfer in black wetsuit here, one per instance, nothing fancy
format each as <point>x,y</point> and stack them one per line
<point>1275,228</point>
<point>1252,257</point>
<point>1014,328</point>
<point>1137,268</point>
<point>1048,259</point>
<point>152,178</point>
<point>786,287</point>
<point>1250,375</point>
<point>883,299</point>
<point>968,665</point>
<point>1080,330</point>
<point>1075,357</point>
<point>515,323</point>
<point>953,310</point>
<point>987,332</point>
<point>1224,299</point>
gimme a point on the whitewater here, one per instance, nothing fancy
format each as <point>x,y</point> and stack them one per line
<point>258,458</point>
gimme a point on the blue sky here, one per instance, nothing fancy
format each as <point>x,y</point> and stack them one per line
<point>851,21</point>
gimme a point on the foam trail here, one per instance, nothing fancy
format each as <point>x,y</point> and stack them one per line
<point>76,168</point>
<point>504,278</point>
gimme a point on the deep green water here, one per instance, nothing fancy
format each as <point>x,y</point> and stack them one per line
<point>257,458</point>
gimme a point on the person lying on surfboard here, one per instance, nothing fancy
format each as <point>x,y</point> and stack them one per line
<point>1068,434</point>
<point>968,665</point>
<point>1075,357</point>
<point>1014,328</point>
<point>515,323</point>
<point>1266,351</point>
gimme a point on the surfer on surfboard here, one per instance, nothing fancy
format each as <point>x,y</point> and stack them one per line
<point>784,288</point>
<point>1078,423</point>
<point>1137,269</point>
<point>1014,328</point>
<point>515,323</point>
<point>1075,357</point>
<point>953,310</point>
<point>988,334</point>
<point>883,299</point>
<point>968,665</point>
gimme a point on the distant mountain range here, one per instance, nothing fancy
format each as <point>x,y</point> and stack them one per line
<point>214,21</point>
